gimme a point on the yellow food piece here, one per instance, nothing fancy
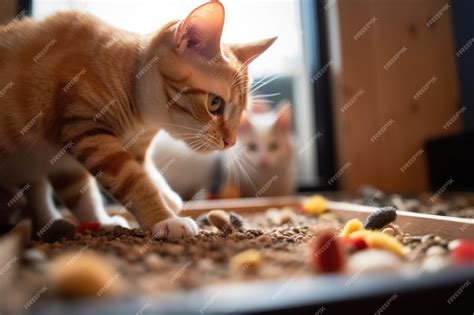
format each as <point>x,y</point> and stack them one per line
<point>377,239</point>
<point>84,274</point>
<point>351,226</point>
<point>361,234</point>
<point>385,241</point>
<point>247,261</point>
<point>315,205</point>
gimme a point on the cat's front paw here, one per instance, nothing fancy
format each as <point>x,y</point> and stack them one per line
<point>175,228</point>
<point>173,201</point>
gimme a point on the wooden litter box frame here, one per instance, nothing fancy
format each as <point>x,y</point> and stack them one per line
<point>411,222</point>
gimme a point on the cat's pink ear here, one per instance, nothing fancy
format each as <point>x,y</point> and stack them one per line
<point>283,116</point>
<point>244,124</point>
<point>248,52</point>
<point>201,31</point>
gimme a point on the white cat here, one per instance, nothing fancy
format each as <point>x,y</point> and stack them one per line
<point>261,164</point>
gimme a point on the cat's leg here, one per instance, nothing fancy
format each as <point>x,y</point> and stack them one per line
<point>170,197</point>
<point>80,193</point>
<point>127,180</point>
<point>49,225</point>
<point>141,152</point>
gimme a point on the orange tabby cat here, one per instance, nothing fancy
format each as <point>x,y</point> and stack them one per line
<point>81,102</point>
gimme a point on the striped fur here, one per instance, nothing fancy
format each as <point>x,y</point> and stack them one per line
<point>81,102</point>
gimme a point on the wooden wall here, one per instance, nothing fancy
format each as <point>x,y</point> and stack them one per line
<point>388,94</point>
<point>8,10</point>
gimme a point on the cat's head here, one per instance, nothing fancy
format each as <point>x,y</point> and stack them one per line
<point>266,136</point>
<point>201,85</point>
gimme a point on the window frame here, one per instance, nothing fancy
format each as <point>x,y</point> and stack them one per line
<point>25,5</point>
<point>313,18</point>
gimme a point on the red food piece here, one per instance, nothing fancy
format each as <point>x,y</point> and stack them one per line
<point>328,254</point>
<point>355,243</point>
<point>212,196</point>
<point>464,252</point>
<point>91,226</point>
<point>300,208</point>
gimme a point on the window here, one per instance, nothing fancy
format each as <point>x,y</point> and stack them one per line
<point>246,20</point>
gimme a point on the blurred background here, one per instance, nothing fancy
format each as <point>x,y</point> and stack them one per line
<point>380,91</point>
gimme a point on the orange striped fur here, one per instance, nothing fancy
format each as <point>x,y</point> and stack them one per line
<point>81,102</point>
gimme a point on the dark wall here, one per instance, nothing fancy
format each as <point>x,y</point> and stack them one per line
<point>463,14</point>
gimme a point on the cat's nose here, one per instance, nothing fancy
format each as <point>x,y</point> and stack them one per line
<point>263,162</point>
<point>228,142</point>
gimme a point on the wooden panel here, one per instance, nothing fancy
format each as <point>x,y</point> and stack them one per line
<point>8,10</point>
<point>389,91</point>
<point>351,119</point>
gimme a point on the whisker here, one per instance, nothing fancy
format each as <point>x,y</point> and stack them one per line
<point>264,95</point>
<point>244,173</point>
<point>186,134</point>
<point>257,82</point>
<point>240,82</point>
<point>262,101</point>
<point>243,66</point>
<point>203,144</point>
<point>194,145</point>
<point>248,165</point>
<point>263,82</point>
<point>181,126</point>
<point>240,86</point>
<point>197,136</point>
<point>247,162</point>
<point>235,176</point>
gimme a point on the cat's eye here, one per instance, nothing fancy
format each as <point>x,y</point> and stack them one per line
<point>215,104</point>
<point>273,146</point>
<point>252,147</point>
